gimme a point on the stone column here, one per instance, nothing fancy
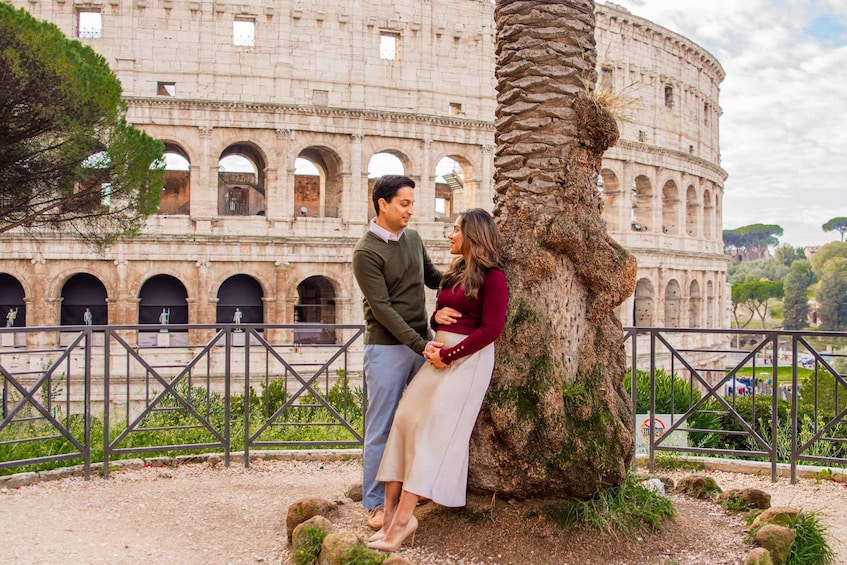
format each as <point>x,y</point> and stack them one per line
<point>425,190</point>
<point>355,195</point>
<point>204,190</point>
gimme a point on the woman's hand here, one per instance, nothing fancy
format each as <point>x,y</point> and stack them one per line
<point>432,354</point>
<point>446,316</point>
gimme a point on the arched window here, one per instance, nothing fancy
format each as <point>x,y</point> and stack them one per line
<point>692,206</point>
<point>240,300</point>
<point>384,163</point>
<point>163,301</point>
<point>317,183</point>
<point>708,215</point>
<point>241,181</point>
<point>449,189</point>
<point>176,194</point>
<point>710,304</point>
<point>84,293</point>
<point>644,304</point>
<point>609,187</point>
<point>670,208</point>
<point>673,305</point>
<point>315,305</point>
<point>695,305</point>
<point>642,204</point>
<point>12,305</point>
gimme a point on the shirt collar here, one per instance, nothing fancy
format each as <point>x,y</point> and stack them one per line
<point>383,233</point>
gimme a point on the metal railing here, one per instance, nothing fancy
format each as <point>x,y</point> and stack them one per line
<point>717,375</point>
<point>82,393</point>
<point>72,392</point>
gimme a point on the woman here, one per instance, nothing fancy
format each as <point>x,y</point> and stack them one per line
<point>427,450</point>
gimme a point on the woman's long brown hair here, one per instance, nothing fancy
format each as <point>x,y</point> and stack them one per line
<point>481,244</point>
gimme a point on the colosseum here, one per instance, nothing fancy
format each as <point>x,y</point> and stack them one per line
<point>276,115</point>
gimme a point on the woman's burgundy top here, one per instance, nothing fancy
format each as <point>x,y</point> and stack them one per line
<point>482,318</point>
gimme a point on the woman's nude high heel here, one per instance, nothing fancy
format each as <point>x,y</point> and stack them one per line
<point>409,530</point>
<point>377,536</point>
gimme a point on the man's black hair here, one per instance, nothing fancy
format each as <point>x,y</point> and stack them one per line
<point>387,186</point>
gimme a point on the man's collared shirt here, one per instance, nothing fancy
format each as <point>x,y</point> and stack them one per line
<point>383,233</point>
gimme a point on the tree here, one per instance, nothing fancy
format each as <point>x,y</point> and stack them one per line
<point>756,296</point>
<point>786,254</point>
<point>825,253</point>
<point>751,241</point>
<point>832,295</point>
<point>556,420</point>
<point>796,303</point>
<point>67,155</point>
<point>836,224</point>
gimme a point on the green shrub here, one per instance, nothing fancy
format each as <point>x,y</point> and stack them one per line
<point>626,509</point>
<point>810,546</point>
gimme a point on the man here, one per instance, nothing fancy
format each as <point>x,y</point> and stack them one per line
<point>392,267</point>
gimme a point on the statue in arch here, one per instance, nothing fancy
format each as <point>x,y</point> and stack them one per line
<point>11,316</point>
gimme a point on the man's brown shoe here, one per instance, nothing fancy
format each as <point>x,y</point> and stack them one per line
<point>375,518</point>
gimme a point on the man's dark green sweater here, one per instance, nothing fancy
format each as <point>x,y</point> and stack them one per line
<point>391,276</point>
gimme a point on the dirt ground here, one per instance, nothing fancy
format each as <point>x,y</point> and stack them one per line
<point>200,513</point>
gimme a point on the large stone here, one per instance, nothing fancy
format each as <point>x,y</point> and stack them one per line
<point>779,515</point>
<point>354,492</point>
<point>698,486</point>
<point>302,510</point>
<point>777,540</point>
<point>318,522</point>
<point>746,499</point>
<point>759,556</point>
<point>336,546</point>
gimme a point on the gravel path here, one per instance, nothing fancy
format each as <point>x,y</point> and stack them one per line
<point>203,513</point>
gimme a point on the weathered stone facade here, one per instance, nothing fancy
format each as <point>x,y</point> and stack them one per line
<point>309,81</point>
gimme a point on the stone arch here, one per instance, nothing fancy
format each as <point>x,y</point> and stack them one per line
<point>451,172</point>
<point>695,305</point>
<point>319,195</point>
<point>12,301</point>
<point>644,304</point>
<point>404,163</point>
<point>609,187</point>
<point>673,304</point>
<point>670,208</point>
<point>316,297</point>
<point>176,194</point>
<point>708,214</point>
<point>241,190</point>
<point>162,294</point>
<point>642,203</point>
<point>84,292</point>
<point>244,294</point>
<point>692,207</point>
<point>710,304</point>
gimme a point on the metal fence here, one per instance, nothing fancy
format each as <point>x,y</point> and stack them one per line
<point>81,393</point>
<point>90,393</point>
<point>775,396</point>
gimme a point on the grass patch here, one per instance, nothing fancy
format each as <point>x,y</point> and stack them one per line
<point>810,546</point>
<point>308,547</point>
<point>626,510</point>
<point>360,555</point>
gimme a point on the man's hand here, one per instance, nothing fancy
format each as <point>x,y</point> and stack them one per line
<point>447,316</point>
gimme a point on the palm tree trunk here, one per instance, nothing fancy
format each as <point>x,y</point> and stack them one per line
<point>557,420</point>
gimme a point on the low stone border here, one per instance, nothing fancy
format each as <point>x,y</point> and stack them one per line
<point>236,457</point>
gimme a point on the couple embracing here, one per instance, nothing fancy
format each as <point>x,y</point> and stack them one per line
<point>424,394</point>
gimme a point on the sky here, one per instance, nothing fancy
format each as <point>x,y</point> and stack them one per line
<point>783,132</point>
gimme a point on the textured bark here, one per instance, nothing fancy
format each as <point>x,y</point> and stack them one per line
<point>556,421</point>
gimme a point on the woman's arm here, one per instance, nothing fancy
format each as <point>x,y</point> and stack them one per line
<point>495,299</point>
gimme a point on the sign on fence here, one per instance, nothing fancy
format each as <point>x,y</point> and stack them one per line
<point>662,423</point>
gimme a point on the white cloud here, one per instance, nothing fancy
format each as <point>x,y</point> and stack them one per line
<point>783,132</point>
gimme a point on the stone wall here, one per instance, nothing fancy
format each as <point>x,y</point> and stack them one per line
<point>314,85</point>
